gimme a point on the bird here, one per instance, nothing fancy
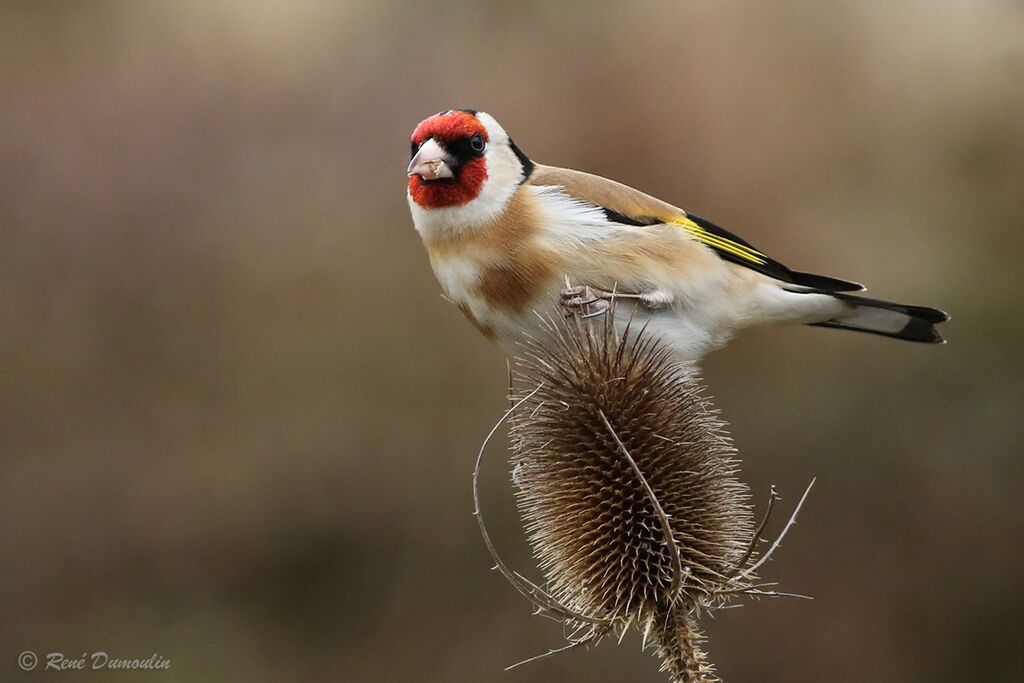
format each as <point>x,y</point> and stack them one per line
<point>513,242</point>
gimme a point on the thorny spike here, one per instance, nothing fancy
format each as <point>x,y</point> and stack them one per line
<point>778,540</point>
<point>558,650</point>
<point>773,497</point>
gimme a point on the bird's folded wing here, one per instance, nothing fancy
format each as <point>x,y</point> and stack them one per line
<point>627,206</point>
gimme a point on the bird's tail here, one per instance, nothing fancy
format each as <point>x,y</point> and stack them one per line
<point>900,321</point>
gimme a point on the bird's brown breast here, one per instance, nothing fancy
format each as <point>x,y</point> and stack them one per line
<point>512,269</point>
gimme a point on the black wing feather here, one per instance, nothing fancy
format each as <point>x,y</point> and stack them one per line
<point>735,249</point>
<point>769,266</point>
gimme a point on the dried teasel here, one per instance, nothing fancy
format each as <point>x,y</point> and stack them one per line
<point>626,481</point>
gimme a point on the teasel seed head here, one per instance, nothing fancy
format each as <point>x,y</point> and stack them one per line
<point>626,481</point>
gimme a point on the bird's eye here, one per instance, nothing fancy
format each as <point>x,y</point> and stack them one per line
<point>477,143</point>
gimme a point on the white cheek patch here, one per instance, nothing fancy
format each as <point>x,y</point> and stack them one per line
<point>495,133</point>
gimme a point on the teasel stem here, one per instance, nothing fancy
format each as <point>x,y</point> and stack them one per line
<point>678,646</point>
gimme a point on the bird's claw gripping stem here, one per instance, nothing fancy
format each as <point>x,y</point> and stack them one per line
<point>591,301</point>
<point>588,301</point>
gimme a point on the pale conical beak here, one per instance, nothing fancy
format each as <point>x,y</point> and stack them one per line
<point>431,162</point>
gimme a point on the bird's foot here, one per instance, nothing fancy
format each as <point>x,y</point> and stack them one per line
<point>591,301</point>
<point>585,300</point>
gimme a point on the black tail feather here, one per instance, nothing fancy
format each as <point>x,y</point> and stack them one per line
<point>918,322</point>
<point>916,330</point>
<point>932,315</point>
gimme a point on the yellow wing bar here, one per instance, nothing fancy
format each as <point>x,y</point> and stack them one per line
<point>720,243</point>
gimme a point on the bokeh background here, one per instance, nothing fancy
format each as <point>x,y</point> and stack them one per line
<point>238,421</point>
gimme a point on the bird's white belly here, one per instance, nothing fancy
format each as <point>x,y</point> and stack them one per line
<point>689,338</point>
<point>691,333</point>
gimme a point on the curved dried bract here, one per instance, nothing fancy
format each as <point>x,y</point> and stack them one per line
<point>541,600</point>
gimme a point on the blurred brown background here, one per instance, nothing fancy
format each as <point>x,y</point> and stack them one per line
<point>238,421</point>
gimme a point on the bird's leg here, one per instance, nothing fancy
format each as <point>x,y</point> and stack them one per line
<point>592,301</point>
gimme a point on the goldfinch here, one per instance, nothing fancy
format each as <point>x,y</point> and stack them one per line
<point>509,238</point>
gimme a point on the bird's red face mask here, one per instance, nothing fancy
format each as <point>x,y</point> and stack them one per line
<point>448,166</point>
